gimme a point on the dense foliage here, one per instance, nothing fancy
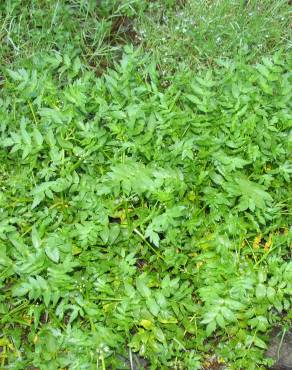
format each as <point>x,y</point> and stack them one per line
<point>144,215</point>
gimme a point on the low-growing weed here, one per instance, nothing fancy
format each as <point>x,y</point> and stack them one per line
<point>138,218</point>
<point>144,189</point>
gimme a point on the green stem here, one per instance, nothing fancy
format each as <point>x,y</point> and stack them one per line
<point>148,244</point>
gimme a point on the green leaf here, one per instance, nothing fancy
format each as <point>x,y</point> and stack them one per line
<point>251,194</point>
<point>20,290</point>
<point>37,199</point>
<point>211,327</point>
<point>220,320</point>
<point>263,70</point>
<point>271,294</point>
<point>259,343</point>
<point>38,137</point>
<point>153,236</point>
<point>261,291</point>
<point>159,335</point>
<point>262,276</point>
<point>36,241</point>
<point>53,253</point>
<point>143,288</point>
<point>147,324</point>
<point>152,306</point>
<point>16,76</point>
<point>47,297</point>
<point>228,314</point>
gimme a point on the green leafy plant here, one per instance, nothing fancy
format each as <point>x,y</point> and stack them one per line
<point>144,217</point>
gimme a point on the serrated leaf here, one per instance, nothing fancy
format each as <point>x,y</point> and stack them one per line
<point>143,288</point>
<point>228,314</point>
<point>153,236</point>
<point>53,253</point>
<point>220,320</point>
<point>259,343</point>
<point>7,142</point>
<point>261,291</point>
<point>16,76</point>
<point>37,199</point>
<point>251,194</point>
<point>152,306</point>
<point>38,137</point>
<point>20,290</point>
<point>211,327</point>
<point>36,241</point>
<point>47,297</point>
<point>271,293</point>
<point>262,276</point>
<point>159,335</point>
